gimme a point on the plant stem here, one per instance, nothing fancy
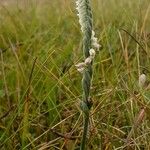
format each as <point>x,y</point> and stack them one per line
<point>85,131</point>
<point>86,22</point>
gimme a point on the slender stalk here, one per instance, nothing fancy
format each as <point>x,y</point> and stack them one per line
<point>89,42</point>
<point>84,136</point>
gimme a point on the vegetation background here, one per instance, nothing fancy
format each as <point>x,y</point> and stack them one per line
<point>40,88</point>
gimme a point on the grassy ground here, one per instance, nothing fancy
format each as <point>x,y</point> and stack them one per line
<point>40,88</point>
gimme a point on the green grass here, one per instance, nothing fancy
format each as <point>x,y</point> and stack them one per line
<point>40,88</point>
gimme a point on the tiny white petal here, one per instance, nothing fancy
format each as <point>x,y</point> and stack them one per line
<point>81,70</point>
<point>93,33</point>
<point>96,45</point>
<point>92,52</point>
<point>80,65</point>
<point>88,60</point>
<point>94,41</point>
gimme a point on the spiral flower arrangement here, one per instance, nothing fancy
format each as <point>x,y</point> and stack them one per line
<point>90,46</point>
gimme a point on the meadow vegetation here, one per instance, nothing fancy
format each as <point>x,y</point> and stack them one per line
<point>40,87</point>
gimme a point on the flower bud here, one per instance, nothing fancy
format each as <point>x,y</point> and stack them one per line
<point>142,80</point>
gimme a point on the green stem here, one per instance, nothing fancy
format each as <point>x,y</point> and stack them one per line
<point>86,22</point>
<point>85,131</point>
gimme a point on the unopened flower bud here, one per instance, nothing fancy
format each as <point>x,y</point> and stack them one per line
<point>142,80</point>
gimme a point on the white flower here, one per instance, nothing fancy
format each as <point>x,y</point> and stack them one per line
<point>142,80</point>
<point>80,67</point>
<point>81,70</point>
<point>92,52</point>
<point>88,60</point>
<point>96,45</point>
<point>93,33</point>
<point>94,41</point>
